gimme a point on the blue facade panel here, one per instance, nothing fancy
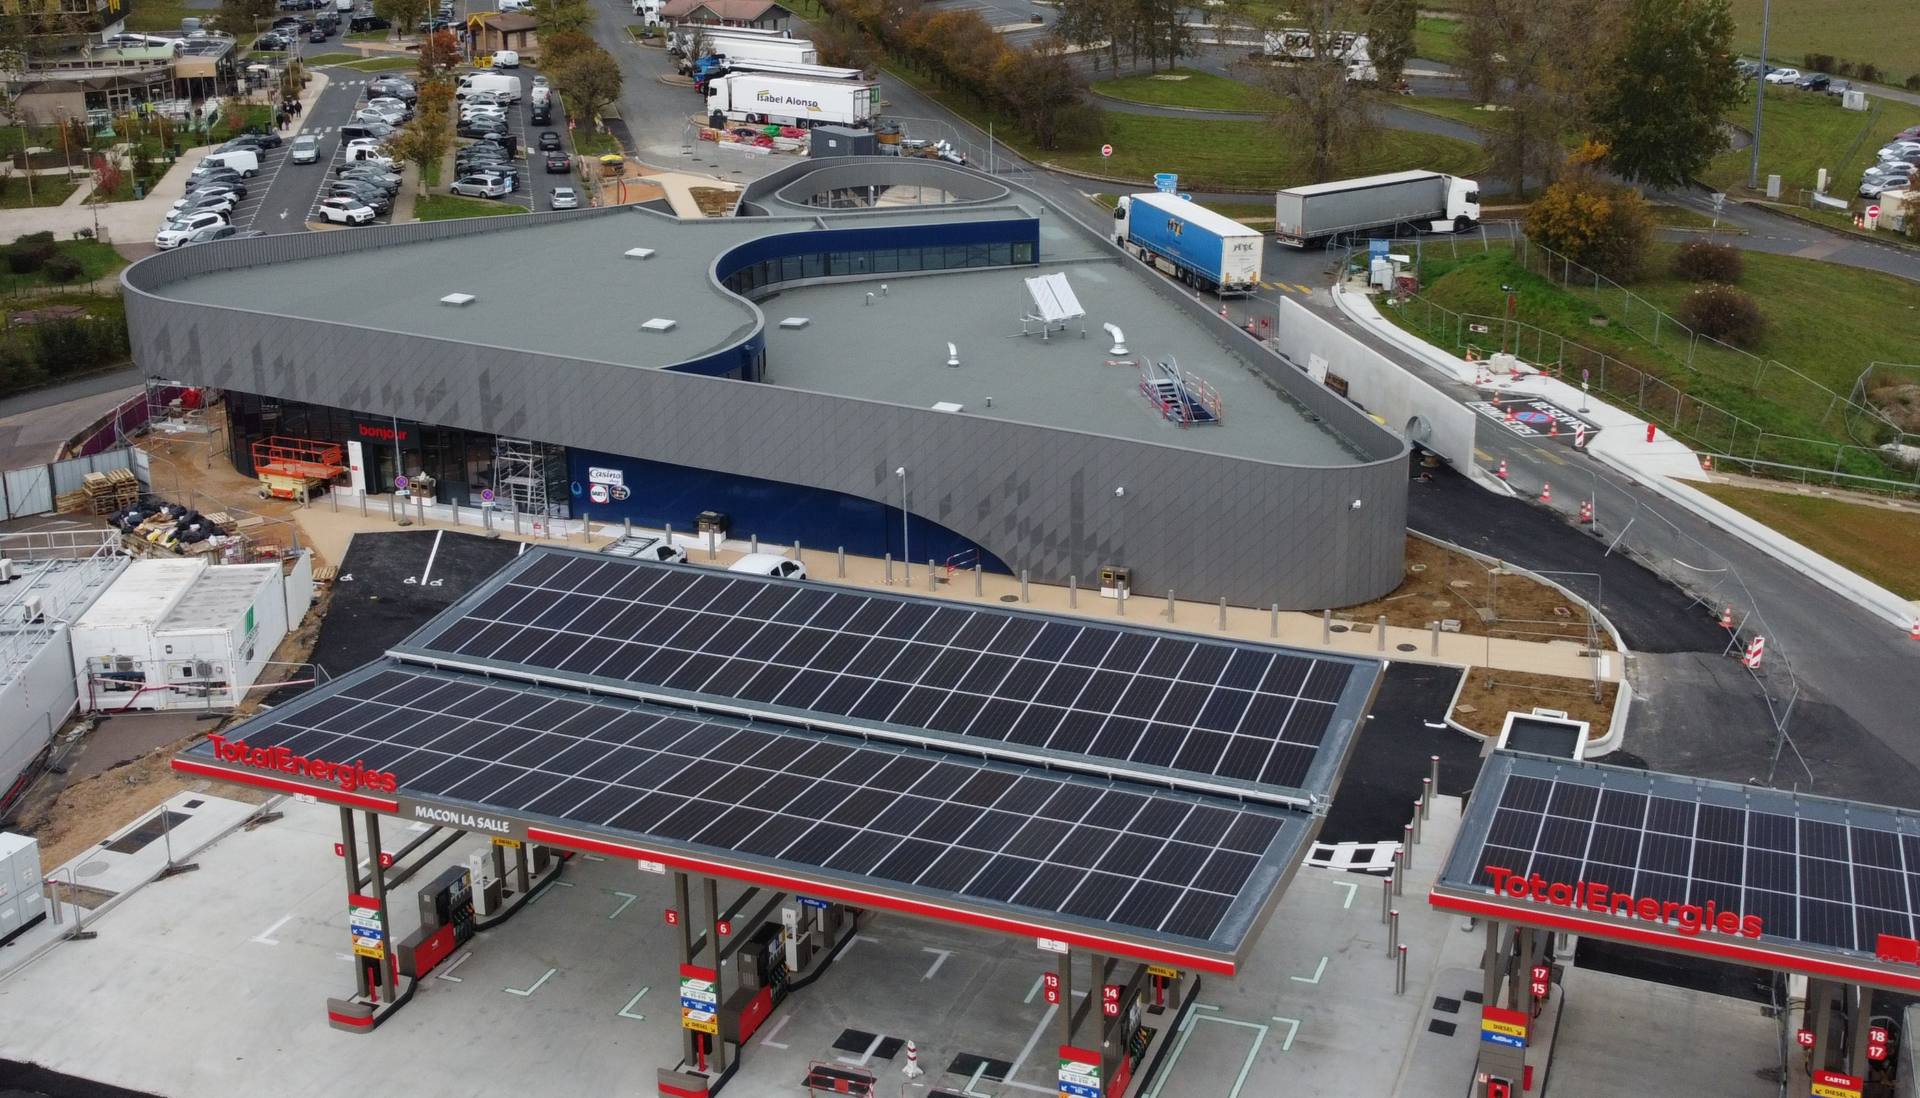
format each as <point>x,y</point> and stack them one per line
<point>745,361</point>
<point>1007,231</point>
<point>659,493</point>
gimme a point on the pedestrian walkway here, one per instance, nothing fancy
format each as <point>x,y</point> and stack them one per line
<point>328,525</point>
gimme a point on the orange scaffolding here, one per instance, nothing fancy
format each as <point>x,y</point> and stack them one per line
<point>291,468</point>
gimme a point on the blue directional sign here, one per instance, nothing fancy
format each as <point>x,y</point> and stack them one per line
<point>1503,1039</point>
<point>809,901</point>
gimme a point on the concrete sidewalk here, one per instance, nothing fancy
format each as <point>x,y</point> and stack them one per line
<point>328,530</point>
<point>1658,461</point>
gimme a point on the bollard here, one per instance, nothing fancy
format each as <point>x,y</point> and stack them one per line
<point>1419,813</point>
<point>753,543</point>
<point>1223,614</point>
<point>363,505</point>
<point>456,513</point>
<point>1406,844</point>
<point>889,569</point>
<point>1393,933</point>
<point>335,497</point>
<point>1380,632</point>
<point>586,528</point>
<point>1386,896</point>
<point>713,544</point>
<point>978,590</point>
<point>1023,586</point>
<point>1399,878</point>
<point>626,527</point>
<point>420,509</point>
<point>1426,798</point>
<point>669,533</point>
<point>930,575</point>
<point>486,518</point>
<point>516,521</point>
<point>1433,772</point>
<point>796,551</point>
<point>1170,606</point>
<point>1436,637</point>
<point>1400,976</point>
<point>1073,592</point>
<point>390,516</point>
<point>1273,621</point>
<point>1120,603</point>
<point>840,558</point>
<point>1326,627</point>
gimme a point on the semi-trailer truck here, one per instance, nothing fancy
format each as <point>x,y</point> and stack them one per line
<point>1191,243</point>
<point>790,101</point>
<point>728,42</point>
<point>1429,201</point>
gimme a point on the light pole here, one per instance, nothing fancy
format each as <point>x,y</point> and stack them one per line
<point>906,555</point>
<point>1759,99</point>
<point>1506,329</point>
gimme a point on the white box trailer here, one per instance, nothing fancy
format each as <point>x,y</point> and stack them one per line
<point>790,101</point>
<point>23,900</point>
<point>1430,201</point>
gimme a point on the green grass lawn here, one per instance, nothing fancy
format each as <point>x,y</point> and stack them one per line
<point>1874,541</point>
<point>47,190</point>
<point>382,64</point>
<point>594,143</point>
<point>367,36</point>
<point>1248,155</point>
<point>97,260</point>
<point>336,58</point>
<point>1682,217</point>
<point>445,207</point>
<point>1805,302</point>
<point>1803,132</point>
<point>1188,88</point>
<point>1459,110</point>
<point>159,15</point>
<point>1437,39</point>
<point>1879,31</point>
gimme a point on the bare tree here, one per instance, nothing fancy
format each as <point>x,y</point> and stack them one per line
<point>1519,60</point>
<point>1315,106</point>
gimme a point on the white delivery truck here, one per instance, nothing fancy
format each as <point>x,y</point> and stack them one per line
<point>648,12</point>
<point>497,82</point>
<point>790,101</point>
<point>1429,201</point>
<point>718,46</point>
<point>1203,249</point>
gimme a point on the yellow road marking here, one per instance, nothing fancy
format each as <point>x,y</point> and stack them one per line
<point>1305,289</point>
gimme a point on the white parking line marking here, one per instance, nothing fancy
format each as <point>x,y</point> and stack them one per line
<point>447,972</point>
<point>1035,989</point>
<point>1319,971</point>
<point>431,554</point>
<point>865,1056</point>
<point>940,958</point>
<point>1352,887</point>
<point>769,1041</point>
<point>548,887</point>
<point>854,941</point>
<point>1293,1027</point>
<point>266,937</point>
<point>627,1011</point>
<point>534,988</point>
<point>625,903</point>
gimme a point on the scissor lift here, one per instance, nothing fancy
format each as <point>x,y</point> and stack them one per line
<point>292,468</point>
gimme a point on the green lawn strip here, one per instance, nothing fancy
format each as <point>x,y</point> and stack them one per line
<point>367,36</point>
<point>1873,541</point>
<point>382,64</point>
<point>1458,110</point>
<point>157,15</point>
<point>594,143</point>
<point>1188,88</point>
<point>336,58</point>
<point>47,190</point>
<point>97,260</point>
<point>1683,217</point>
<point>445,207</point>
<point>1437,39</point>
<point>1805,303</point>
<point>1802,132</point>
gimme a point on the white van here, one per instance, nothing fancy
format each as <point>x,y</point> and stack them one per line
<point>497,82</point>
<point>244,161</point>
<point>769,564</point>
<point>506,59</point>
<point>542,95</point>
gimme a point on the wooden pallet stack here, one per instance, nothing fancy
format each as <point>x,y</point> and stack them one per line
<point>113,490</point>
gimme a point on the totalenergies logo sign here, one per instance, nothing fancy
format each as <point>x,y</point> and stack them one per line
<point>1688,919</point>
<point>347,777</point>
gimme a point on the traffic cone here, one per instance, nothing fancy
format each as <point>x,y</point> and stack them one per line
<point>1726,621</point>
<point>1553,428</point>
<point>1914,633</point>
<point>1502,471</point>
<point>1223,312</point>
<point>1706,462</point>
<point>1586,511</point>
<point>913,1069</point>
<point>1511,418</point>
<point>1546,493</point>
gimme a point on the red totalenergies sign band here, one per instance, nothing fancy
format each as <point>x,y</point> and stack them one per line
<point>1689,919</point>
<point>347,777</point>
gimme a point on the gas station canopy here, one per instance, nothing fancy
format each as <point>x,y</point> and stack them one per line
<point>657,712</point>
<point>1756,876</point>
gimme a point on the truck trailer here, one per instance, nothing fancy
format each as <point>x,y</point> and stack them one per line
<point>1429,201</point>
<point>1191,243</point>
<point>791,101</point>
<point>729,43</point>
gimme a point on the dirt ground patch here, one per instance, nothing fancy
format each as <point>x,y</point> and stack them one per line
<point>714,201</point>
<point>1442,584</point>
<point>193,469</point>
<point>88,811</point>
<point>1489,696</point>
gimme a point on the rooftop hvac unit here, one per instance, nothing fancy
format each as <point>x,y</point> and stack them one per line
<point>33,610</point>
<point>8,571</point>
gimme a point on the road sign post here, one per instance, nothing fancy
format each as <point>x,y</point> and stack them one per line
<point>1106,153</point>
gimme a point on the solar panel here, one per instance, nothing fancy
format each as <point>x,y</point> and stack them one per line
<point>1149,860</point>
<point>1119,699</point>
<point>1816,873</point>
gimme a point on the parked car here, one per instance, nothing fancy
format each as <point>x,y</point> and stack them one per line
<point>174,232</point>
<point>506,174</point>
<point>345,211</point>
<point>549,141</point>
<point>305,150</point>
<point>221,203</point>
<point>506,59</point>
<point>563,198</point>
<point>1874,187</point>
<point>365,194</point>
<point>271,43</point>
<point>219,186</point>
<point>1747,69</point>
<point>1899,150</point>
<point>479,186</point>
<point>360,23</point>
<point>219,232</point>
<point>481,127</point>
<point>354,131</point>
<point>559,163</point>
<point>482,156</point>
<point>769,564</point>
<point>318,36</point>
<point>254,140</point>
<point>1783,76</point>
<point>540,80</point>
<point>1814,82</point>
<point>542,115</point>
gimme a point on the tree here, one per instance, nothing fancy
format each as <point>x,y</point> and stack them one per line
<point>1159,29</point>
<point>1390,37</point>
<point>242,17</point>
<point>588,81</point>
<point>1595,223</point>
<point>1661,107</point>
<point>424,140</point>
<point>557,47</point>
<point>1314,106</point>
<point>1096,23</point>
<point>439,55</point>
<point>405,15</point>
<point>1519,59</point>
<point>1042,90</point>
<point>561,16</point>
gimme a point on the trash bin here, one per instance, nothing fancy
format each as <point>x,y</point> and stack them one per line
<point>713,522</point>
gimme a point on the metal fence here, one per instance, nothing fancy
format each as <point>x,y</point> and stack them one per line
<point>32,490</point>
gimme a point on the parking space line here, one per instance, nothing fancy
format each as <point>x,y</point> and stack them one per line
<point>447,972</point>
<point>768,1039</point>
<point>536,985</point>
<point>266,937</point>
<point>1319,971</point>
<point>544,889</point>
<point>432,552</point>
<point>865,1056</point>
<point>1186,1034</point>
<point>625,903</point>
<point>627,1011</point>
<point>1293,1028</point>
<point>1035,989</point>
<point>940,958</point>
<point>1353,887</point>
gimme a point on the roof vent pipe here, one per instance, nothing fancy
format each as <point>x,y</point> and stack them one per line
<point>869,297</point>
<point>1119,339</point>
<point>953,355</point>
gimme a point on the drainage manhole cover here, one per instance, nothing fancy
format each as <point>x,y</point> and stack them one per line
<point>92,869</point>
<point>1408,647</point>
<point>1336,628</point>
<point>1009,598</point>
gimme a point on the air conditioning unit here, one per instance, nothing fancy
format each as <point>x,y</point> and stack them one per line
<point>8,570</point>
<point>33,609</point>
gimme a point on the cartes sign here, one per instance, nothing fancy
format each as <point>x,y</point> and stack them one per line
<point>1832,1084</point>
